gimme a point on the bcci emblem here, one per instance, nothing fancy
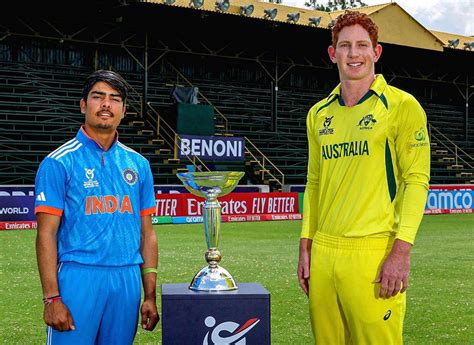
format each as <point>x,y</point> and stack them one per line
<point>90,183</point>
<point>130,176</point>
<point>327,126</point>
<point>367,122</point>
<point>227,332</point>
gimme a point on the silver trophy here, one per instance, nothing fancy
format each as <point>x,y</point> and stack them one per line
<point>211,185</point>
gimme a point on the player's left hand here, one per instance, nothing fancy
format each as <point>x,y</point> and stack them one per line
<point>150,316</point>
<point>393,276</point>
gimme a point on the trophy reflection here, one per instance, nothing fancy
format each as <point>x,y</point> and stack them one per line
<point>211,185</point>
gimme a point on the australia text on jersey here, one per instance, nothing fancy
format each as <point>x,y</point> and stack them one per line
<point>346,149</point>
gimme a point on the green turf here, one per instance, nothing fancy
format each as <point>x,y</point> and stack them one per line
<point>440,297</point>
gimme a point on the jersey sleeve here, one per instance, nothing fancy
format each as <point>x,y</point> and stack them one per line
<point>311,193</point>
<point>413,155</point>
<point>50,187</point>
<point>147,192</point>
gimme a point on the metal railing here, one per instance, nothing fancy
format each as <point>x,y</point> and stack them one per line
<point>171,138</point>
<point>162,128</point>
<point>263,163</point>
<point>454,149</point>
<point>262,160</point>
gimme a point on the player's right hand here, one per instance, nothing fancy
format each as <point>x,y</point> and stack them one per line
<point>304,264</point>
<point>57,315</point>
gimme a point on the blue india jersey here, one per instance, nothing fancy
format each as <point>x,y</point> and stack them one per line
<point>100,196</point>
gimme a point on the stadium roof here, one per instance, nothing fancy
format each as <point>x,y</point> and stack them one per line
<point>396,26</point>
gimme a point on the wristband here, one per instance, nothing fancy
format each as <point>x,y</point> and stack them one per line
<point>51,299</point>
<point>149,270</point>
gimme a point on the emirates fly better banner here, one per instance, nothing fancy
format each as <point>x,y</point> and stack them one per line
<point>235,207</point>
<point>178,205</point>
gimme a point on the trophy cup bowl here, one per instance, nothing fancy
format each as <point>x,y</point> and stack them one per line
<point>211,185</point>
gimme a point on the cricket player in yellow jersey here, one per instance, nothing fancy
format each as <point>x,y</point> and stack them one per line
<point>367,183</point>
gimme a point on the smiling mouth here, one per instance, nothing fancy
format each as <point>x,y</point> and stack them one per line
<point>104,115</point>
<point>356,64</point>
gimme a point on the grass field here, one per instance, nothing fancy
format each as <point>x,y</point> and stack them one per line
<point>440,298</point>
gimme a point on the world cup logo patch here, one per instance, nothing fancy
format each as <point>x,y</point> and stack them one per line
<point>130,176</point>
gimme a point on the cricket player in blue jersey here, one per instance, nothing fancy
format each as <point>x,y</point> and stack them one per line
<point>95,242</point>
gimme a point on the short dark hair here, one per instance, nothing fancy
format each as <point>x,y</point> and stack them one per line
<point>112,78</point>
<point>349,18</point>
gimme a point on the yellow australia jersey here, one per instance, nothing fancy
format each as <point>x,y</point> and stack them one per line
<point>368,167</point>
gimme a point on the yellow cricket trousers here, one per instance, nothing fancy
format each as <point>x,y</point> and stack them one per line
<point>344,302</point>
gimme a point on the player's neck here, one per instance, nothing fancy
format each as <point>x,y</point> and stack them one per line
<point>104,138</point>
<point>352,91</point>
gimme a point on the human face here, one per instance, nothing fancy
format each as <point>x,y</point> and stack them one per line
<point>104,108</point>
<point>354,54</point>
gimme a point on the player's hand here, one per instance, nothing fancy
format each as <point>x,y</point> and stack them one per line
<point>150,315</point>
<point>56,314</point>
<point>393,276</point>
<point>304,264</point>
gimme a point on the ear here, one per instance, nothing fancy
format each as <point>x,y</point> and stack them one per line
<point>378,52</point>
<point>124,111</point>
<point>83,106</point>
<point>332,53</point>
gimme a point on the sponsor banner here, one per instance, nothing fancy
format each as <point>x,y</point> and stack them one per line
<point>444,199</point>
<point>298,188</point>
<point>212,148</point>
<point>239,218</point>
<point>17,208</point>
<point>262,217</point>
<point>445,211</point>
<point>161,220</point>
<point>187,220</point>
<point>18,225</point>
<point>183,205</point>
<point>243,218</point>
<point>17,190</point>
<point>179,188</point>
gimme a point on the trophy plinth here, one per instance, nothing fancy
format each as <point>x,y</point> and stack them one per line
<point>211,185</point>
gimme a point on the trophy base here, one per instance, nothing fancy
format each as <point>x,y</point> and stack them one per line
<point>213,279</point>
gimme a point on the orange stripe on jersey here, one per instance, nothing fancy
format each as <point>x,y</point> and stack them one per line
<point>147,212</point>
<point>48,209</point>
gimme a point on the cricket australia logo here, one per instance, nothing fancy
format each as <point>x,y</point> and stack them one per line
<point>231,332</point>
<point>90,183</point>
<point>327,126</point>
<point>367,122</point>
<point>130,176</point>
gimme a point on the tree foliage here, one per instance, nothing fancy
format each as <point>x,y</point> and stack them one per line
<point>334,5</point>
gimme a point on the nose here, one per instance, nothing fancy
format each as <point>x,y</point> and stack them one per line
<point>105,103</point>
<point>352,51</point>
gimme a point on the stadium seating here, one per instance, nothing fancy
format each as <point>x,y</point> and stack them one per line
<point>39,111</point>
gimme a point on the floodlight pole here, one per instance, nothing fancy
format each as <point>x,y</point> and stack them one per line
<point>466,117</point>
<point>275,97</point>
<point>145,78</point>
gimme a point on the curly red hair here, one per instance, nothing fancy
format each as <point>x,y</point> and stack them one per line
<point>349,18</point>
